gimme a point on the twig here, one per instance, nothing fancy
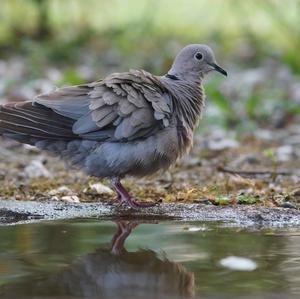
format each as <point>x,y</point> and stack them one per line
<point>253,173</point>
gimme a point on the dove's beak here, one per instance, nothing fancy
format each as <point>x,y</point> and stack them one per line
<point>218,69</point>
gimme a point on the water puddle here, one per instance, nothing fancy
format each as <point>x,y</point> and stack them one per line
<point>106,259</point>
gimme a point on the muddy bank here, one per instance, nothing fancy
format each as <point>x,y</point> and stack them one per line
<point>13,211</point>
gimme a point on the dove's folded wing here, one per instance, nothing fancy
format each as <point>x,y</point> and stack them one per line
<point>122,107</point>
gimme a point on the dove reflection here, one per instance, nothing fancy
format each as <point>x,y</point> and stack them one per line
<point>112,273</point>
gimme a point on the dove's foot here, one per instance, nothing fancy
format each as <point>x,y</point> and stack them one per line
<point>125,198</point>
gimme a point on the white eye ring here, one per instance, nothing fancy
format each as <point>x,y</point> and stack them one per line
<point>199,56</point>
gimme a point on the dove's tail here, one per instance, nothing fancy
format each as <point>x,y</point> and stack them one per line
<point>29,122</point>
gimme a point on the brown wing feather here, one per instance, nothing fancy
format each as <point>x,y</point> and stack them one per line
<point>34,120</point>
<point>132,103</point>
<point>124,106</point>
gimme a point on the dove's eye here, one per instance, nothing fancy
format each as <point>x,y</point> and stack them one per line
<point>198,56</point>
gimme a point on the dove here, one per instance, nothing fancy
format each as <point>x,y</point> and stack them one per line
<point>128,124</point>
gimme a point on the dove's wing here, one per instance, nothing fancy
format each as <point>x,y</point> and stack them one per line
<point>122,107</point>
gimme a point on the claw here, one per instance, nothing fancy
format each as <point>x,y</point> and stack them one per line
<point>124,197</point>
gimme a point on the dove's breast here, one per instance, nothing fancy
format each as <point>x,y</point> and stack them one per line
<point>137,158</point>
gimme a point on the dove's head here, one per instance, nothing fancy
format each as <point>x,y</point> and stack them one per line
<point>195,61</point>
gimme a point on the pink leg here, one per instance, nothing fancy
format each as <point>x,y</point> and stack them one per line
<point>125,197</point>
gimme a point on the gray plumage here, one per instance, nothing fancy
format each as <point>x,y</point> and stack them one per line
<point>131,123</point>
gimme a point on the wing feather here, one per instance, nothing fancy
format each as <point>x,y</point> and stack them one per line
<point>123,106</point>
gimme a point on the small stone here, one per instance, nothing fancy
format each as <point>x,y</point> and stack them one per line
<point>54,198</point>
<point>36,169</point>
<point>284,153</point>
<point>288,205</point>
<point>222,144</point>
<point>63,190</point>
<point>206,202</point>
<point>266,135</point>
<point>98,188</point>
<point>30,148</point>
<point>71,198</point>
<point>54,75</point>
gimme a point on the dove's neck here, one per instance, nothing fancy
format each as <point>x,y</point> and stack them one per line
<point>188,102</point>
<point>188,97</point>
<point>191,77</point>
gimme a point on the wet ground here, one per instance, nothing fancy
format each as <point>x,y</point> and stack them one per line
<point>89,258</point>
<point>13,211</point>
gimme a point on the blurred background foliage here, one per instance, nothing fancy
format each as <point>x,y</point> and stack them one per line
<point>53,42</point>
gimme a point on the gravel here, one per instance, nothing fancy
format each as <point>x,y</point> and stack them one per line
<point>13,212</point>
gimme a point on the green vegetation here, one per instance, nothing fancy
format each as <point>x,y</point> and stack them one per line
<point>240,30</point>
<point>115,35</point>
<point>47,43</point>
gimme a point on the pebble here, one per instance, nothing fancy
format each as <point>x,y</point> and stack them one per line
<point>71,198</point>
<point>222,144</point>
<point>284,153</point>
<point>36,169</point>
<point>98,188</point>
<point>206,202</point>
<point>30,148</point>
<point>263,134</point>
<point>288,205</point>
<point>61,190</point>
